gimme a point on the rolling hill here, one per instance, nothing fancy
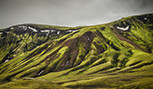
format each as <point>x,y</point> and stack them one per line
<point>113,55</point>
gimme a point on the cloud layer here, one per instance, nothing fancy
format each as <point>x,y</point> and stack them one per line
<point>69,12</point>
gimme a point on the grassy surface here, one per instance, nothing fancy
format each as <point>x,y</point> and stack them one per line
<point>100,56</point>
<point>31,84</point>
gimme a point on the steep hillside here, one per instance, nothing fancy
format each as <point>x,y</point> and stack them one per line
<point>114,55</point>
<point>18,39</point>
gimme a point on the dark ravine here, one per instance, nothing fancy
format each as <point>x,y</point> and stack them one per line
<point>110,55</point>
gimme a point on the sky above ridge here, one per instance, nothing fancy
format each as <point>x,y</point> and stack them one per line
<point>69,12</point>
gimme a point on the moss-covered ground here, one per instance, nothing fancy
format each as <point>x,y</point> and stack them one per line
<point>100,56</point>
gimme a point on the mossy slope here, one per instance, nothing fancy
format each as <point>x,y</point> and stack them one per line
<point>92,56</point>
<point>19,39</point>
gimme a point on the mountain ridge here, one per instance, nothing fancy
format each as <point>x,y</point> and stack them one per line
<point>120,49</point>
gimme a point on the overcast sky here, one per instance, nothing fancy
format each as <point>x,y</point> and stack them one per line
<point>69,12</point>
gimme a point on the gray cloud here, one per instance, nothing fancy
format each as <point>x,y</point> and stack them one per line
<point>69,12</point>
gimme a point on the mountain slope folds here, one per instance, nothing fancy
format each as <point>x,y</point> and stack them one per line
<point>113,55</point>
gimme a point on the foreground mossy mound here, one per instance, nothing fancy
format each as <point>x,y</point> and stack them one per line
<point>30,84</point>
<point>114,55</point>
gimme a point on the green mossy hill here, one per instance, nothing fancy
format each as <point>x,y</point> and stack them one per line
<point>30,83</point>
<point>19,39</point>
<point>114,55</point>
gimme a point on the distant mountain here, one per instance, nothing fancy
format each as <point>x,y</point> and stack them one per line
<point>113,55</point>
